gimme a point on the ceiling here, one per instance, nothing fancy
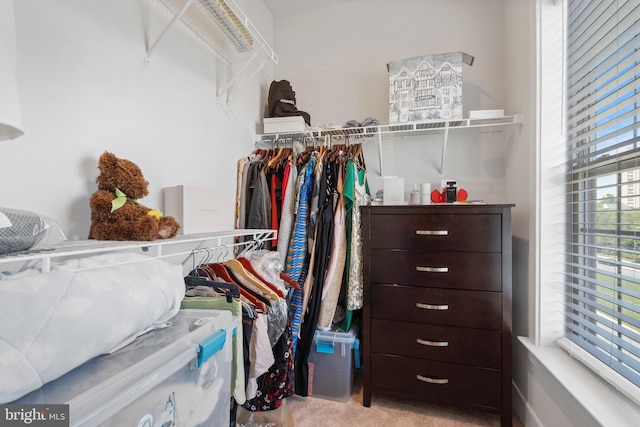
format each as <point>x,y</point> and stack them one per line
<point>282,7</point>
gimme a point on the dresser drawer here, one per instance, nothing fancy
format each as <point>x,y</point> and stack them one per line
<point>473,309</point>
<point>457,270</point>
<point>460,383</point>
<point>472,233</point>
<point>442,343</point>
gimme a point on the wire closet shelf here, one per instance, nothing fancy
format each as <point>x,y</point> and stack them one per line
<point>228,33</point>
<point>496,128</point>
<point>181,248</point>
<point>358,134</point>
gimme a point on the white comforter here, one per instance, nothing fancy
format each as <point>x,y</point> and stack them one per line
<point>53,322</point>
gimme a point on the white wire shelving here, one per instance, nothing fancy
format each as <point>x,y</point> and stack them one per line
<point>379,133</point>
<point>229,34</point>
<point>496,124</point>
<point>178,249</point>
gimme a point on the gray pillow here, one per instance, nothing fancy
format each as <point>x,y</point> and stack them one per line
<point>26,229</point>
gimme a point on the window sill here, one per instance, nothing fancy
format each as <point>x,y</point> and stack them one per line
<point>601,401</point>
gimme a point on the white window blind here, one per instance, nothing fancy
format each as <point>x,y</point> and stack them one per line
<point>602,286</point>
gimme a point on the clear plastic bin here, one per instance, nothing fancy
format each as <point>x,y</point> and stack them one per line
<point>179,375</point>
<point>332,363</point>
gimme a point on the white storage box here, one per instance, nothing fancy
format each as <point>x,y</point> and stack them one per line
<point>393,190</point>
<point>486,114</point>
<point>284,124</point>
<point>179,375</point>
<point>200,209</point>
<point>331,364</point>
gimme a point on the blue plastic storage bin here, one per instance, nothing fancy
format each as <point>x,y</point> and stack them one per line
<point>332,363</point>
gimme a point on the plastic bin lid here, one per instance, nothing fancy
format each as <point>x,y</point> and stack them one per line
<point>326,340</point>
<point>108,382</point>
<point>335,336</point>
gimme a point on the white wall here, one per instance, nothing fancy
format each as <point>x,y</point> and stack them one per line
<point>519,48</point>
<point>336,56</point>
<point>85,88</point>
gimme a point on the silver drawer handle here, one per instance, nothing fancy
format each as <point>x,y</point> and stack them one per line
<point>432,307</point>
<point>433,343</point>
<point>432,380</point>
<point>433,269</point>
<point>432,232</point>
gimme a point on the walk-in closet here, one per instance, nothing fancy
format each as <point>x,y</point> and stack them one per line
<point>300,213</point>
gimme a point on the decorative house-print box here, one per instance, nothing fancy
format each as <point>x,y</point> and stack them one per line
<point>426,88</point>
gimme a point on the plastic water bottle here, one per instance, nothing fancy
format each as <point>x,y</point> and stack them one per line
<point>414,196</point>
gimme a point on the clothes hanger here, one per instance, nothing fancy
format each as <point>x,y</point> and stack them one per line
<point>275,158</point>
<point>200,270</point>
<point>221,271</point>
<point>355,149</point>
<point>289,281</point>
<point>247,310</point>
<point>237,267</point>
<point>336,150</point>
<point>249,267</point>
<point>231,290</point>
<point>273,153</point>
<point>286,156</point>
<point>202,275</point>
<point>257,155</point>
<point>249,289</point>
<point>358,157</point>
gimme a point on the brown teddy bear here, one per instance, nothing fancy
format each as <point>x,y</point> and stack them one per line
<point>115,212</point>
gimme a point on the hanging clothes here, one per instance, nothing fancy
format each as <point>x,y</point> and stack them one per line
<point>259,215</point>
<point>297,261</point>
<point>323,243</point>
<point>260,354</point>
<point>313,222</point>
<point>288,203</point>
<point>240,214</point>
<point>333,280</point>
<point>278,382</point>
<point>276,202</point>
<point>313,199</point>
<point>356,193</point>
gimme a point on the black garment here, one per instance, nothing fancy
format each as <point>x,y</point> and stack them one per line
<point>323,244</point>
<point>259,212</point>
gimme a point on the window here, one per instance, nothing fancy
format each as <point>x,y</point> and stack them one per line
<point>602,285</point>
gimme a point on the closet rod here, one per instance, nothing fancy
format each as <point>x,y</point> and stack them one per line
<point>323,140</point>
<point>188,253</point>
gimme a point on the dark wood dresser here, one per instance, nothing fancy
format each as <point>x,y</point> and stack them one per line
<point>437,305</point>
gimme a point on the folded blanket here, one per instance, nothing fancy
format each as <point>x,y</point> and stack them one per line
<point>53,322</point>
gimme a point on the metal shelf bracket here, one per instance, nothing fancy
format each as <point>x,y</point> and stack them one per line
<point>227,31</point>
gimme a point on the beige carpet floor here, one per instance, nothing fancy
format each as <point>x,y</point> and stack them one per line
<point>384,412</point>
